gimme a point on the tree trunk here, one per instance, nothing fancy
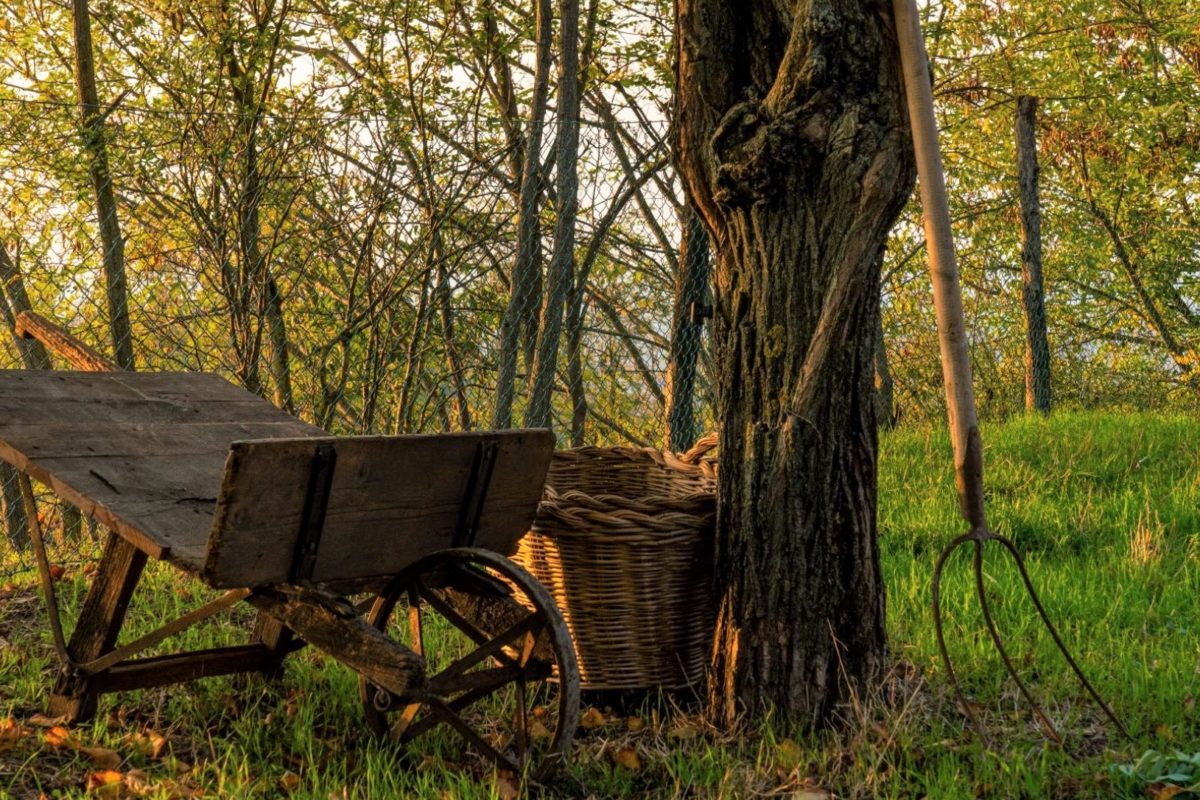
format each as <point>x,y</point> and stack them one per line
<point>794,147</point>
<point>523,283</point>
<point>1033,295</point>
<point>562,264</point>
<point>92,125</point>
<point>281,367</point>
<point>14,300</point>
<point>15,523</point>
<point>691,289</point>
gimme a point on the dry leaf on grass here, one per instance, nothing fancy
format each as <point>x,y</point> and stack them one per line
<point>539,732</point>
<point>290,782</point>
<point>683,732</point>
<point>591,719</point>
<point>507,787</point>
<point>1163,791</point>
<point>59,737</point>
<point>102,757</point>
<point>628,758</point>
<point>812,794</point>
<point>11,734</point>
<point>635,724</point>
<point>105,783</point>
<point>42,721</point>
<point>148,743</point>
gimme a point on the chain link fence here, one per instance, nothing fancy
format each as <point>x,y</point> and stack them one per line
<point>369,275</point>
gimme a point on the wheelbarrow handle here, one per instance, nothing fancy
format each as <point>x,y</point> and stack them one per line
<point>943,266</point>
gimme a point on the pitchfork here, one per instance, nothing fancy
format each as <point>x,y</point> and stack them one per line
<point>956,370</point>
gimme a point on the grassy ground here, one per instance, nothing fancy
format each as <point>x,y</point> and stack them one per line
<point>1106,508</point>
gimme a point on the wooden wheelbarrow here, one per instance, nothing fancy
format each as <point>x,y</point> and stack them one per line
<point>327,537</point>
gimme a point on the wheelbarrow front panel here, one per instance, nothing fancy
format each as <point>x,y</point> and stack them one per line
<point>390,501</point>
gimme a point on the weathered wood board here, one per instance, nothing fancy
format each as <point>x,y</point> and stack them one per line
<point>196,471</point>
<point>143,453</point>
<point>393,499</point>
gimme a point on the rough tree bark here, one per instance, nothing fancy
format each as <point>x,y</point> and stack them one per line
<point>691,289</point>
<point>793,143</point>
<point>1033,294</point>
<point>92,126</point>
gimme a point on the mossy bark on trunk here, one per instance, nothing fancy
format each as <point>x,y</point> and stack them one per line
<point>794,146</point>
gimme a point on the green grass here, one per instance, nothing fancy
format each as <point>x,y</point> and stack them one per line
<point>1106,507</point>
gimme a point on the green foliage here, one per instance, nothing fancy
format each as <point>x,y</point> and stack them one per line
<point>1106,507</point>
<point>1177,769</point>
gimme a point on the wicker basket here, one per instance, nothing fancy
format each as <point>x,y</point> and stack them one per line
<point>623,541</point>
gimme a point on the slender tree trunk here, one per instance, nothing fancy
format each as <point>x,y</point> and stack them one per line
<point>14,300</point>
<point>281,367</point>
<point>794,147</point>
<point>691,289</point>
<point>885,386</point>
<point>1033,295</point>
<point>92,124</point>
<point>523,289</point>
<point>562,265</point>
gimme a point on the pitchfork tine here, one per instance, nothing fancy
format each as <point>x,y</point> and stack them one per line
<point>1062,648</point>
<point>999,643</point>
<point>941,637</point>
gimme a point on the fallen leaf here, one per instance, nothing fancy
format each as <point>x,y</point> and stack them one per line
<point>1163,791</point>
<point>628,758</point>
<point>11,734</point>
<point>635,724</point>
<point>591,719</point>
<point>1164,733</point>
<point>506,787</point>
<point>138,781</point>
<point>105,783</point>
<point>148,743</point>
<point>683,732</point>
<point>57,572</point>
<point>538,732</point>
<point>42,721</point>
<point>290,782</point>
<point>59,737</point>
<point>102,757</point>
<point>812,794</point>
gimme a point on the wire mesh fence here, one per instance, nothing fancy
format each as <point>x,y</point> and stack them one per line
<point>368,275</point>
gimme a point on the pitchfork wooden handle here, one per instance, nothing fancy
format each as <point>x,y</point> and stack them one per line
<point>943,267</point>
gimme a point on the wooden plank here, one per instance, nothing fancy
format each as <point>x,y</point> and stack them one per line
<point>393,500</point>
<point>79,355</point>
<point>342,634</point>
<point>145,673</point>
<point>142,453</point>
<point>87,441</point>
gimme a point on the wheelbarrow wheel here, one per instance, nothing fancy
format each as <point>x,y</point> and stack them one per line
<point>501,667</point>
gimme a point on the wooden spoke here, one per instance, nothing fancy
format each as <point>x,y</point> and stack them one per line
<point>503,673</point>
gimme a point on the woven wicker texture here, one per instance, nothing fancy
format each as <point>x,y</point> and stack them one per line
<point>623,541</point>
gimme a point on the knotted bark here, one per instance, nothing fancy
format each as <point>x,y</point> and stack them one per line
<point>794,146</point>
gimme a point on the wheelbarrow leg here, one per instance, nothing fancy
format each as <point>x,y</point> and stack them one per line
<point>277,638</point>
<point>100,621</point>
